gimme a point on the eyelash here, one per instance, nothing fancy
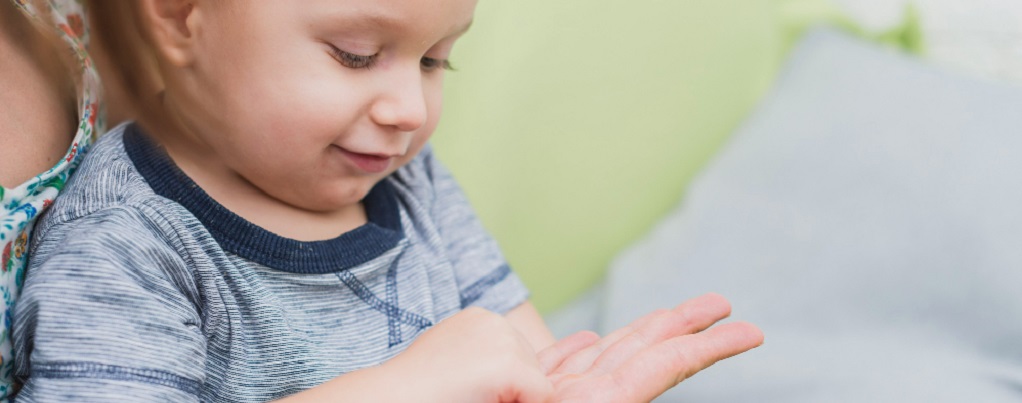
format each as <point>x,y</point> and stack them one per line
<point>353,61</point>
<point>430,64</point>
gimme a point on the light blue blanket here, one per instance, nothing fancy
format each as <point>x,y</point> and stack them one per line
<point>869,218</point>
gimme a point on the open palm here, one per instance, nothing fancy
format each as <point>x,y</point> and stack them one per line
<point>640,361</point>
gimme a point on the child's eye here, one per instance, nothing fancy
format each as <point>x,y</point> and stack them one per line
<point>430,64</point>
<point>351,60</point>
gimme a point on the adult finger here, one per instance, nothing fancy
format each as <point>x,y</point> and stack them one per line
<point>661,367</point>
<point>689,317</point>
<point>552,357</point>
<point>583,359</point>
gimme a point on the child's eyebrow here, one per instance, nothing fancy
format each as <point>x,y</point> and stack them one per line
<point>370,20</point>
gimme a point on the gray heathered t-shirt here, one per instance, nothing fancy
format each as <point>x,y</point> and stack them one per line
<point>142,288</point>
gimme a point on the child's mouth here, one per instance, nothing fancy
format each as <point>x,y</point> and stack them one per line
<point>367,162</point>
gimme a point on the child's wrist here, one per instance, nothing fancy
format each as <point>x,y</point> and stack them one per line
<point>416,384</point>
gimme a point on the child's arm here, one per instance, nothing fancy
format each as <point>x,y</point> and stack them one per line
<point>473,356</point>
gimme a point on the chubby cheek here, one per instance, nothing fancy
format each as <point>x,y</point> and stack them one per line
<point>295,120</point>
<point>307,108</point>
<point>289,137</point>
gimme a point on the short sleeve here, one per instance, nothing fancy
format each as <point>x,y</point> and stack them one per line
<point>107,314</point>
<point>484,277</point>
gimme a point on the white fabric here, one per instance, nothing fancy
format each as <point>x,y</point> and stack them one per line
<point>869,218</point>
<point>980,37</point>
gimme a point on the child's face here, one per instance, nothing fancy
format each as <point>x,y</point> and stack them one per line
<point>314,102</point>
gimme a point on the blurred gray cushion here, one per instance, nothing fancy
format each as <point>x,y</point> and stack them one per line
<point>869,218</point>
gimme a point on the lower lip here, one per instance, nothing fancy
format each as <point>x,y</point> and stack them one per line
<point>368,163</point>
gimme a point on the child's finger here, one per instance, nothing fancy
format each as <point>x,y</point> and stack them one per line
<point>552,357</point>
<point>689,317</point>
<point>531,387</point>
<point>666,364</point>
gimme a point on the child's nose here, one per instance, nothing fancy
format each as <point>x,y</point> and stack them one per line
<point>402,104</point>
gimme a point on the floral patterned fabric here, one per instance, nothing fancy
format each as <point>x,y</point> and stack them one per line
<point>21,205</point>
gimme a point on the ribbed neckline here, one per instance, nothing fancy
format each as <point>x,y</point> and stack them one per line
<point>239,236</point>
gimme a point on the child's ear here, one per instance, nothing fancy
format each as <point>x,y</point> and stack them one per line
<point>173,28</point>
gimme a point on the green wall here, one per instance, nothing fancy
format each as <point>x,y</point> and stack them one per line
<point>574,125</point>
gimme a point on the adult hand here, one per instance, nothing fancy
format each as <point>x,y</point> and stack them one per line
<point>639,362</point>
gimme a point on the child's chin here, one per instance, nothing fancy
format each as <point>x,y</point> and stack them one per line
<point>339,200</point>
<point>328,196</point>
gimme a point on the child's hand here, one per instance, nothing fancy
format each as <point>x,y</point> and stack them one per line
<point>478,356</point>
<point>640,361</point>
<point>473,356</point>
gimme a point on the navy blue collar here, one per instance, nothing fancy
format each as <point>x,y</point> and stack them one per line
<point>249,241</point>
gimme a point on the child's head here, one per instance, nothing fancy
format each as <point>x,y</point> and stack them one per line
<point>312,102</point>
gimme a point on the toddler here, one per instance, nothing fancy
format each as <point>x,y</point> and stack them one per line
<point>276,226</point>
